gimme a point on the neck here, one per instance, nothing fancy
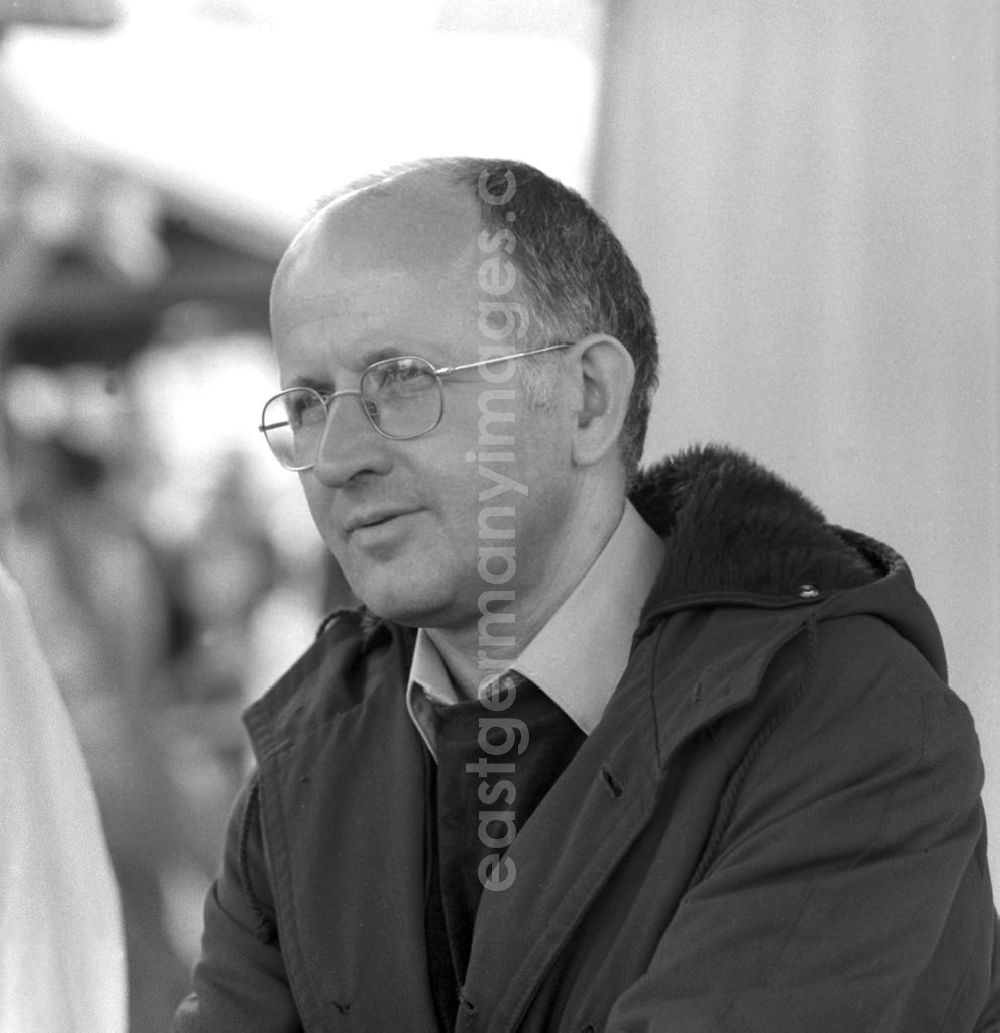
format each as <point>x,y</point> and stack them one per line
<point>478,650</point>
<point>471,657</point>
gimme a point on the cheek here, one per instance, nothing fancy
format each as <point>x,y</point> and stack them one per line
<point>318,502</point>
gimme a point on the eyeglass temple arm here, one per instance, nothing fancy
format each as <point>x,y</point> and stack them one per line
<point>444,371</point>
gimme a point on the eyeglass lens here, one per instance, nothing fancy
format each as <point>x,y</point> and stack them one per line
<point>401,397</point>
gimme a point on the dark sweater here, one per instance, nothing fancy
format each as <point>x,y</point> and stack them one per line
<point>481,796</point>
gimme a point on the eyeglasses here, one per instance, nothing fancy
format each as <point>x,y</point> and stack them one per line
<point>401,397</point>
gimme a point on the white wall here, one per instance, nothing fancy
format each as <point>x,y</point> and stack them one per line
<point>811,192</point>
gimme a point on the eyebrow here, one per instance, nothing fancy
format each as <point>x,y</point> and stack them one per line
<point>316,385</point>
<point>367,359</point>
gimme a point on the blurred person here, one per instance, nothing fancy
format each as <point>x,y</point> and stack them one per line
<point>95,612</point>
<point>98,605</point>
<point>603,749</point>
<point>62,957</point>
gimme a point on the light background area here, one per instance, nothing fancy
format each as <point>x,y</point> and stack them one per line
<point>258,109</point>
<point>811,192</point>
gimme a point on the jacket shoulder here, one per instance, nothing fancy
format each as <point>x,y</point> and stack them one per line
<point>348,659</point>
<point>872,709</point>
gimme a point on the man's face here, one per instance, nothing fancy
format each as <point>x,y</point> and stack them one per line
<point>410,522</point>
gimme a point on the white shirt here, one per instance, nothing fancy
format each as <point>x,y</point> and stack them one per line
<point>578,656</point>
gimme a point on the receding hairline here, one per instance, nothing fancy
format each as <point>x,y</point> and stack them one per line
<point>447,170</point>
<point>423,178</point>
<point>460,178</point>
<point>425,181</point>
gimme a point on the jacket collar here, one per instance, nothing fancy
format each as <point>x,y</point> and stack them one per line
<point>730,525</point>
<point>737,534</point>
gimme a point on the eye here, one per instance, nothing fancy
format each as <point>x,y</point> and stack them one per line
<point>398,378</point>
<point>304,409</point>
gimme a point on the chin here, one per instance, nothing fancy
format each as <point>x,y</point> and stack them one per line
<point>401,607</point>
<point>427,609</point>
<point>418,588</point>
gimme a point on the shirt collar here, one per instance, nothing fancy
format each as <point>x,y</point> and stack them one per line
<point>581,652</point>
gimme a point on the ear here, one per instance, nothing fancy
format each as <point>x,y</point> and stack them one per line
<point>606,373</point>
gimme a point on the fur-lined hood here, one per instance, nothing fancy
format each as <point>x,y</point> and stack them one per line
<point>731,525</point>
<point>736,532</point>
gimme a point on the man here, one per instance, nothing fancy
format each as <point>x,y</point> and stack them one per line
<point>684,762</point>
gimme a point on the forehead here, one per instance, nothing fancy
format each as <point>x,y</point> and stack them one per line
<point>417,230</point>
<point>380,265</point>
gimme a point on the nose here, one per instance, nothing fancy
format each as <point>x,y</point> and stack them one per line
<point>350,446</point>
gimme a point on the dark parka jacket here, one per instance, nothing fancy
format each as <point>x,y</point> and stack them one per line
<point>775,828</point>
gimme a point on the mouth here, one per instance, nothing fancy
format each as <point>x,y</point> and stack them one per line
<point>366,521</point>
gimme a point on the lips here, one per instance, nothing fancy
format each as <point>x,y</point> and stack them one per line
<point>375,518</point>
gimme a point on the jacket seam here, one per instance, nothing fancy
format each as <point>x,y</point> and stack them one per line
<point>265,928</point>
<point>727,805</point>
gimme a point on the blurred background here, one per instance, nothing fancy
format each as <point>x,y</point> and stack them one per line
<point>810,190</point>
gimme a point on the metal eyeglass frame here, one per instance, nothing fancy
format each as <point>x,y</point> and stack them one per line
<point>442,371</point>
